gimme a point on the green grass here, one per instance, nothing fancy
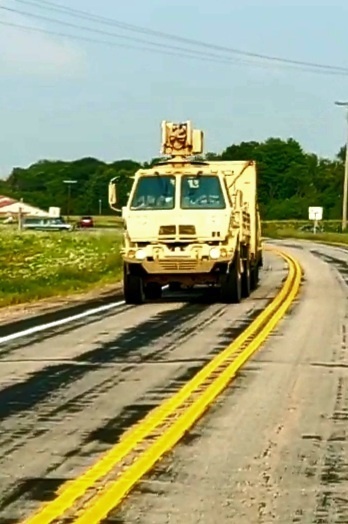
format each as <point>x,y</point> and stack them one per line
<point>290,229</point>
<point>38,265</point>
<point>333,226</point>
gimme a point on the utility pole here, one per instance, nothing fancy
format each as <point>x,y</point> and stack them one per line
<point>20,216</point>
<point>345,183</point>
<point>69,182</point>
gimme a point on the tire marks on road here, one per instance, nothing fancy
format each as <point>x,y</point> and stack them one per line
<point>70,410</point>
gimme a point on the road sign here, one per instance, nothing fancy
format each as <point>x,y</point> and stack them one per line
<point>315,213</point>
<point>54,212</point>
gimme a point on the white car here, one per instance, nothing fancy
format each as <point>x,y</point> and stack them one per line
<point>46,224</point>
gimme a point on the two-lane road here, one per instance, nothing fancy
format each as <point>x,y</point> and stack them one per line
<point>68,393</point>
<point>272,449</point>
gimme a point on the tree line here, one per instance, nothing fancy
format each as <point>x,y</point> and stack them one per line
<point>289,180</point>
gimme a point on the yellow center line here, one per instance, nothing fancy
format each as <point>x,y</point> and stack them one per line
<point>101,505</point>
<point>71,491</point>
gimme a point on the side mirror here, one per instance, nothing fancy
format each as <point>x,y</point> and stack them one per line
<point>112,193</point>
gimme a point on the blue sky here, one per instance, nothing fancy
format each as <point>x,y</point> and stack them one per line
<point>65,99</point>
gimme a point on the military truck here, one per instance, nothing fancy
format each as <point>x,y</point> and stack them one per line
<point>190,222</point>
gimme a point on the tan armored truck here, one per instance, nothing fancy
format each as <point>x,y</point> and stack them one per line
<point>190,222</point>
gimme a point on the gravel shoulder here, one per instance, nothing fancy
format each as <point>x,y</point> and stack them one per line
<point>274,448</point>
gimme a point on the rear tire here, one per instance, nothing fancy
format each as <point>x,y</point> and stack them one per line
<point>153,291</point>
<point>231,285</point>
<point>254,277</point>
<point>174,286</point>
<point>133,287</point>
<point>246,279</point>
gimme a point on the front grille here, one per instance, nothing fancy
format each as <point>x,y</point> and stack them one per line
<point>187,230</point>
<point>167,230</point>
<point>178,265</point>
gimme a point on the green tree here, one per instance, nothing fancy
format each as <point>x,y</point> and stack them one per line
<point>289,179</point>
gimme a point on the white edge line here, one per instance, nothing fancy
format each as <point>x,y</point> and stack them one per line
<point>62,321</point>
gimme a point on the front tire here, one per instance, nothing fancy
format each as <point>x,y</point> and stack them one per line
<point>133,288</point>
<point>231,285</point>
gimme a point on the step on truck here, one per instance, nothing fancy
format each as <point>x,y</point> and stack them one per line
<point>190,222</point>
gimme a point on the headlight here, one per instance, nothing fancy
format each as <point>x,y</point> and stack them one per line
<point>215,253</point>
<point>140,254</point>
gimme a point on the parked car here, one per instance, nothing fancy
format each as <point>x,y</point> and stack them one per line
<point>86,222</point>
<point>46,224</point>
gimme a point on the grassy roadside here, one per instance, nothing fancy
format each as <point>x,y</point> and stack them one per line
<point>283,230</point>
<point>37,265</point>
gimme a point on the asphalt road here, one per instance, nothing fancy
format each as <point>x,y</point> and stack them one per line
<point>275,446</point>
<point>272,449</point>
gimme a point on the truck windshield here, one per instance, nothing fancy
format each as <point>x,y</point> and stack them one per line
<point>201,192</point>
<point>154,192</point>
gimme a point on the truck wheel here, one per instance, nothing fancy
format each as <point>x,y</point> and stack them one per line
<point>246,279</point>
<point>174,286</point>
<point>133,288</point>
<point>153,291</point>
<point>254,280</point>
<point>231,286</point>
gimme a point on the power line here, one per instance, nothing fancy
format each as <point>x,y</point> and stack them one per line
<point>44,4</point>
<point>125,46</point>
<point>107,33</point>
<point>104,42</point>
<point>187,53</point>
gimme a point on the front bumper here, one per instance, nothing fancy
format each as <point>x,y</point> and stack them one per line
<point>192,259</point>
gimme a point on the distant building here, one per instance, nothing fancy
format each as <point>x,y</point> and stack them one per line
<point>10,207</point>
<point>6,201</point>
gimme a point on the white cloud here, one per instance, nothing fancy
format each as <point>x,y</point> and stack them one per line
<point>28,52</point>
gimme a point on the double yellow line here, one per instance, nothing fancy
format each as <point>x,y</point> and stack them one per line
<point>89,498</point>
